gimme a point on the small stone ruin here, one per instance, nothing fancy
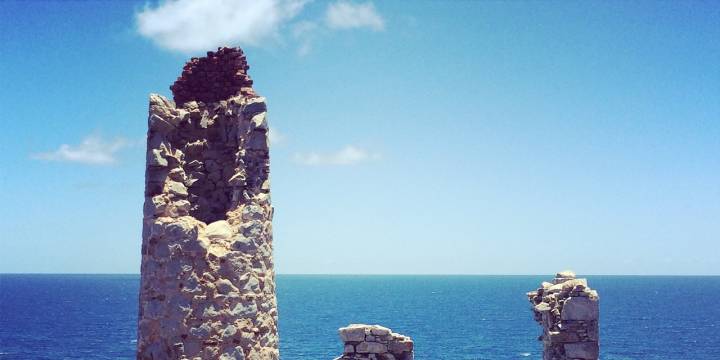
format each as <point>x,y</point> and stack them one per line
<point>568,311</point>
<point>374,342</point>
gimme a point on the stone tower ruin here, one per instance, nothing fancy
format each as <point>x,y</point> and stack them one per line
<point>568,312</point>
<point>208,285</point>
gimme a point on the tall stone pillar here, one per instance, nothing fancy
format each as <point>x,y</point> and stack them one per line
<point>568,312</point>
<point>207,287</point>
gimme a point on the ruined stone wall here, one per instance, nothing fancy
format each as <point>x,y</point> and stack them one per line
<point>220,75</point>
<point>568,312</point>
<point>374,342</point>
<point>207,286</point>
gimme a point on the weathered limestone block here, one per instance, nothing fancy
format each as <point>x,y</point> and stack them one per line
<point>580,308</point>
<point>208,284</point>
<point>374,342</point>
<point>568,311</point>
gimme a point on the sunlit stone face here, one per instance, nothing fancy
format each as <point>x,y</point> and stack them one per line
<point>207,286</point>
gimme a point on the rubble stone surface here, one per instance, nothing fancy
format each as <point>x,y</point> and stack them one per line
<point>218,76</point>
<point>208,283</point>
<point>568,312</point>
<point>374,342</point>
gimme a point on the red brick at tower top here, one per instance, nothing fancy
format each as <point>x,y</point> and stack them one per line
<point>220,75</point>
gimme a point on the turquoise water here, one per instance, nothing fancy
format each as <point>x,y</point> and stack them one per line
<point>450,317</point>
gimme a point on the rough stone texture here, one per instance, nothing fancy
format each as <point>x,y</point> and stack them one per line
<point>207,286</point>
<point>374,342</point>
<point>218,76</point>
<point>567,309</point>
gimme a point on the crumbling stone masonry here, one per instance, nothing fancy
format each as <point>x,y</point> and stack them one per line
<point>568,311</point>
<point>207,286</point>
<point>374,342</point>
<point>220,75</point>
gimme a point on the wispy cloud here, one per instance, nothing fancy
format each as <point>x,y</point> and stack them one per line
<point>93,150</point>
<point>196,25</point>
<point>275,136</point>
<point>348,155</point>
<point>304,33</point>
<point>347,15</point>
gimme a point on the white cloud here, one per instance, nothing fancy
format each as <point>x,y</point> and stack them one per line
<point>93,150</point>
<point>347,15</point>
<point>197,25</point>
<point>346,156</point>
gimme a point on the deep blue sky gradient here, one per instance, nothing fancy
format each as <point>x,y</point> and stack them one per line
<point>512,138</point>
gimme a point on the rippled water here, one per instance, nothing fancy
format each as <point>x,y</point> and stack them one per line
<point>449,317</point>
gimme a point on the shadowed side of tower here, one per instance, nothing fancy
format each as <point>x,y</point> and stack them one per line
<point>208,285</point>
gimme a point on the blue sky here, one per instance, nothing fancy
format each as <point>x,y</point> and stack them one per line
<point>424,137</point>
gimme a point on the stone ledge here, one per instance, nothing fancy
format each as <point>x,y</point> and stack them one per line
<point>374,342</point>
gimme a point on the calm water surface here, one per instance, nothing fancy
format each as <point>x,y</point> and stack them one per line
<point>449,317</point>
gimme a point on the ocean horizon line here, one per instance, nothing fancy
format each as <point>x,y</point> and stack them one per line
<point>380,274</point>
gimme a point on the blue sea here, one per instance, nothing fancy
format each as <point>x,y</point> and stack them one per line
<point>449,317</point>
